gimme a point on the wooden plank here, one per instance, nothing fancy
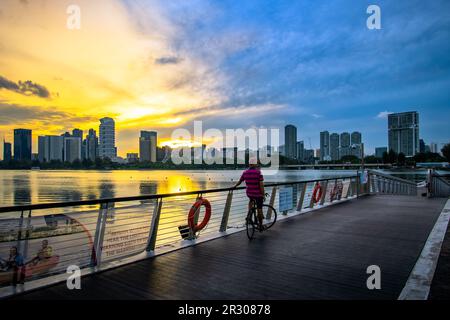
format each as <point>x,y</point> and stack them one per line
<point>316,256</point>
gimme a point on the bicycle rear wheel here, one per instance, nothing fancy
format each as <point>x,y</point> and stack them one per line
<point>273,216</point>
<point>250,225</point>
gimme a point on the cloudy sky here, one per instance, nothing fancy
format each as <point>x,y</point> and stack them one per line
<point>159,65</point>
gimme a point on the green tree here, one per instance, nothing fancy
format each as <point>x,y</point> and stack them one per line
<point>385,157</point>
<point>372,159</point>
<point>350,158</point>
<point>401,159</point>
<point>392,156</point>
<point>76,164</point>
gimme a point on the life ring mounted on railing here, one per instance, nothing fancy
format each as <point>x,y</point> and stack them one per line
<point>317,193</point>
<point>191,217</point>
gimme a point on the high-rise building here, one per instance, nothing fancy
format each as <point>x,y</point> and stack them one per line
<point>50,148</point>
<point>345,139</point>
<point>290,141</point>
<point>22,144</point>
<point>403,132</point>
<point>7,154</point>
<point>147,146</point>
<point>325,145</point>
<point>421,146</point>
<point>300,151</point>
<point>308,156</point>
<point>77,133</point>
<point>379,151</point>
<point>344,149</point>
<point>356,144</point>
<point>107,140</point>
<point>356,138</point>
<point>334,146</point>
<point>91,145</point>
<point>433,147</point>
<point>163,153</point>
<point>72,149</point>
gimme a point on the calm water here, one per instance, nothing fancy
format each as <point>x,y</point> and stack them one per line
<point>25,187</point>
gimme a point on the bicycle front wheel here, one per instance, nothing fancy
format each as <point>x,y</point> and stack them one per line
<point>250,226</point>
<point>271,215</point>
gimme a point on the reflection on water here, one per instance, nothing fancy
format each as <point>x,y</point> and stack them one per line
<point>22,189</point>
<point>25,187</point>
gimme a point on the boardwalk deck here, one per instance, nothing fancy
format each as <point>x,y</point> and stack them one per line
<point>323,255</point>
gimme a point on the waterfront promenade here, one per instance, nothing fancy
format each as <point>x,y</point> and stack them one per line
<point>322,254</point>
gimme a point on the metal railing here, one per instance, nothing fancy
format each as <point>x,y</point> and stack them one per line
<point>97,234</point>
<point>438,185</point>
<point>387,184</point>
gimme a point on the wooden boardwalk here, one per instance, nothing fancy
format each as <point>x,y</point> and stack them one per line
<point>323,255</point>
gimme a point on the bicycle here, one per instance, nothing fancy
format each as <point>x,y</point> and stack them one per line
<point>252,223</point>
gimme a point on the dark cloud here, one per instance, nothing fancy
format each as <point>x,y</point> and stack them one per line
<point>168,60</point>
<point>14,114</point>
<point>27,87</point>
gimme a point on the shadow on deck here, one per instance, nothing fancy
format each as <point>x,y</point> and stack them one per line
<point>323,255</point>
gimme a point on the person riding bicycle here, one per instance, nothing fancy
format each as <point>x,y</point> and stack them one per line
<point>254,182</point>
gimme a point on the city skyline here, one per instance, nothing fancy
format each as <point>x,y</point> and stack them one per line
<point>333,146</point>
<point>231,65</point>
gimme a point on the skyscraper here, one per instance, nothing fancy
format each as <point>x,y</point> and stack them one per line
<point>356,144</point>
<point>421,146</point>
<point>334,146</point>
<point>308,156</point>
<point>433,147</point>
<point>72,149</point>
<point>403,133</point>
<point>324,145</point>
<point>290,141</point>
<point>91,145</point>
<point>107,145</point>
<point>77,133</point>
<point>147,146</point>
<point>356,137</point>
<point>22,144</point>
<point>7,155</point>
<point>300,150</point>
<point>344,149</point>
<point>50,148</point>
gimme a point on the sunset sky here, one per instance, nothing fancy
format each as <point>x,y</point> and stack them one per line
<point>159,65</point>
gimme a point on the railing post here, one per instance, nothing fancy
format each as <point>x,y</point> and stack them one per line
<point>272,201</point>
<point>99,235</point>
<point>154,226</point>
<point>302,197</point>
<point>358,180</point>
<point>324,193</point>
<point>226,212</point>
<point>27,235</point>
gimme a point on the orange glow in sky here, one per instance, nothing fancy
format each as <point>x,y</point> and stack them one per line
<point>109,67</point>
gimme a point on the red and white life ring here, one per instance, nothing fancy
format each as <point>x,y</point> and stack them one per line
<point>317,193</point>
<point>195,207</point>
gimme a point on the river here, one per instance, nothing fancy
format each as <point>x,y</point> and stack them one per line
<point>19,187</point>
